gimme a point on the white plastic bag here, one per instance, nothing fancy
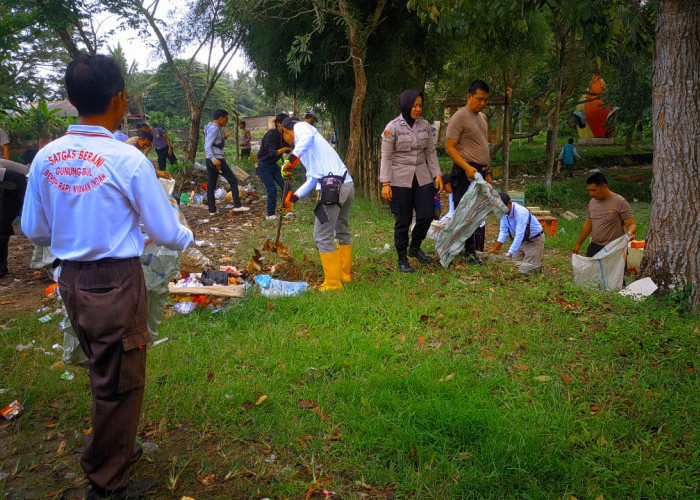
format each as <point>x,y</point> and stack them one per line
<point>479,202</point>
<point>605,270</point>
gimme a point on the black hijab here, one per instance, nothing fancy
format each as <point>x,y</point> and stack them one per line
<point>406,100</point>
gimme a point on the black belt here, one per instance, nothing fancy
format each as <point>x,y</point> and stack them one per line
<point>87,263</point>
<point>536,236</point>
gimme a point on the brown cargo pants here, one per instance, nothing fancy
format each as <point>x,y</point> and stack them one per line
<point>106,303</point>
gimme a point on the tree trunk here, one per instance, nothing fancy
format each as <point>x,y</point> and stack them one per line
<point>358,98</point>
<point>505,154</point>
<point>672,257</point>
<point>553,123</point>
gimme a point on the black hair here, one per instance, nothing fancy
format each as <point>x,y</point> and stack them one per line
<point>571,140</point>
<point>598,179</point>
<point>505,198</point>
<point>145,134</point>
<point>242,122</point>
<point>91,83</point>
<point>478,85</point>
<point>219,113</point>
<point>280,117</point>
<point>289,123</point>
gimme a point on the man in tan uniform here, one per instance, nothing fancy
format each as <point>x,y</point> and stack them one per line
<point>467,144</point>
<point>609,216</point>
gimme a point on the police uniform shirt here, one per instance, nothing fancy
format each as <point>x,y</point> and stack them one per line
<point>407,152</point>
<point>319,157</point>
<point>87,193</point>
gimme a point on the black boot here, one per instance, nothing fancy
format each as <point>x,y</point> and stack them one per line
<point>4,241</point>
<point>404,266</point>
<point>419,254</point>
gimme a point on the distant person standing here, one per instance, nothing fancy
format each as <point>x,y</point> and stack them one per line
<point>272,147</point>
<point>214,142</point>
<point>609,216</point>
<point>88,206</point>
<point>163,146</point>
<point>244,140</point>
<point>467,144</point>
<point>568,152</point>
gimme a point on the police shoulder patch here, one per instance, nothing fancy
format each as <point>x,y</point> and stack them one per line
<point>387,132</point>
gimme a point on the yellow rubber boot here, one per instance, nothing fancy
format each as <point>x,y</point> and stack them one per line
<point>345,262</point>
<point>331,271</point>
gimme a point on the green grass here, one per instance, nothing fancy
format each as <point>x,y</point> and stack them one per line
<point>458,383</point>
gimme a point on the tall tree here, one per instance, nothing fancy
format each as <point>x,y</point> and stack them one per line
<point>671,257</point>
<point>207,26</point>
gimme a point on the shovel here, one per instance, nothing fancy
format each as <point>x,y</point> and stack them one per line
<point>277,247</point>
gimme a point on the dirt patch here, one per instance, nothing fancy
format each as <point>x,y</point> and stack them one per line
<point>227,238</point>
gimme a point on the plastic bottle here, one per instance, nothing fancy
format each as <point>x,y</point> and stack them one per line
<point>272,288</point>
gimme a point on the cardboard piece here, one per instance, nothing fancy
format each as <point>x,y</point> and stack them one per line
<point>215,290</point>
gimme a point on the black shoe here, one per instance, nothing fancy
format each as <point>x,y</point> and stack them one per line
<point>138,451</point>
<point>419,254</point>
<point>137,488</point>
<point>474,260</point>
<point>404,266</point>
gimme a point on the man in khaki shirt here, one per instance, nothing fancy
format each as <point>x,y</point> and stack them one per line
<point>609,216</point>
<point>467,144</point>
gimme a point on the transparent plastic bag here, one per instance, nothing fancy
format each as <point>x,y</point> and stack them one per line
<point>479,202</point>
<point>270,287</point>
<point>159,264</point>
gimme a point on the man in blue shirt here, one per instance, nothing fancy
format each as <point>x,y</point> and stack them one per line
<point>87,195</point>
<point>526,234</point>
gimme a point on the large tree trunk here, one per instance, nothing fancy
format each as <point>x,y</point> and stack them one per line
<point>672,257</point>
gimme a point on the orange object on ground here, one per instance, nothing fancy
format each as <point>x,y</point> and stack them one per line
<point>549,224</point>
<point>50,289</point>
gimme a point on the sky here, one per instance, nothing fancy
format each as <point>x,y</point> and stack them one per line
<point>136,49</point>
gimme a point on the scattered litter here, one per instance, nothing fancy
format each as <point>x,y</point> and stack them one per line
<point>45,318</point>
<point>640,289</point>
<point>56,347</point>
<point>149,447</point>
<point>12,410</point>
<point>184,307</point>
<point>272,288</point>
<point>67,375</point>
<point>3,476</point>
<point>24,347</point>
<point>3,390</point>
<point>203,221</point>
<point>270,459</point>
<point>160,341</point>
<point>42,310</point>
<point>543,378</point>
<point>204,243</point>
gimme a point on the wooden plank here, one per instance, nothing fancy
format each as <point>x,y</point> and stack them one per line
<point>215,290</point>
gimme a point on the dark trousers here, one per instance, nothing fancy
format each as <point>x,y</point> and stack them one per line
<point>11,201</point>
<point>106,304</point>
<point>213,175</point>
<point>271,175</point>
<point>403,201</point>
<point>593,248</point>
<point>163,155</point>
<point>245,152</point>
<point>460,185</point>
